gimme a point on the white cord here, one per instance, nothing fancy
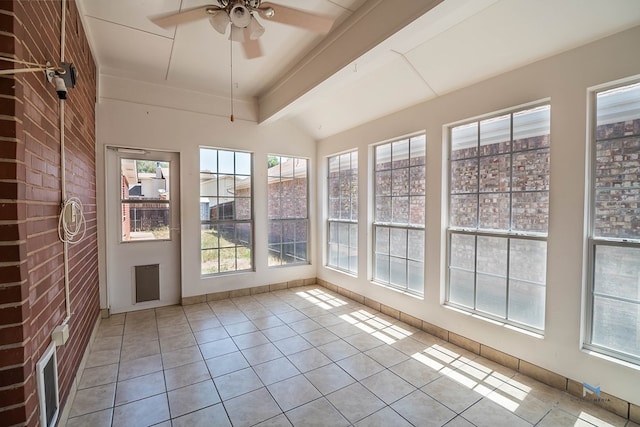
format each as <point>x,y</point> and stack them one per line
<point>71,224</point>
<point>19,61</point>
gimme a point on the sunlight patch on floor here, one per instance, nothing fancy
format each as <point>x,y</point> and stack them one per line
<point>593,420</point>
<point>470,374</point>
<point>516,389</point>
<point>499,388</point>
<point>428,361</point>
<point>383,337</point>
<point>375,326</point>
<point>322,299</point>
<point>504,401</point>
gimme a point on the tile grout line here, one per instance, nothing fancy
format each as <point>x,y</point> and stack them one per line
<point>302,309</point>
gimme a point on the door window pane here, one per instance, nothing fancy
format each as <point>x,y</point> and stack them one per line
<point>145,200</point>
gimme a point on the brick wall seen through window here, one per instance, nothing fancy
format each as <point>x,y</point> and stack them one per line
<point>614,309</point>
<point>342,223</point>
<point>498,216</point>
<point>400,214</point>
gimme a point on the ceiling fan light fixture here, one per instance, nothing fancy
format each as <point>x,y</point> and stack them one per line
<point>220,21</point>
<point>240,16</point>
<point>255,29</point>
<point>267,12</point>
<point>237,34</point>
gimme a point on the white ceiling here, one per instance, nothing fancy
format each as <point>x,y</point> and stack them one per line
<point>381,55</point>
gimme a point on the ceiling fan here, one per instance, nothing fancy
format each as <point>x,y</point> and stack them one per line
<point>240,15</point>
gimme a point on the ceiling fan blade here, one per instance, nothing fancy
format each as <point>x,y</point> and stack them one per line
<point>189,15</point>
<point>252,48</point>
<point>298,18</point>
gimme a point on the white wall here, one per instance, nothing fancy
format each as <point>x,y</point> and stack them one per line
<point>128,116</point>
<point>134,114</point>
<point>565,80</point>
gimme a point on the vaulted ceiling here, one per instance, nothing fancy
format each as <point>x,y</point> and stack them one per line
<point>380,56</point>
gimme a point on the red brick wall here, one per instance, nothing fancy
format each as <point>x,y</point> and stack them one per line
<point>32,295</point>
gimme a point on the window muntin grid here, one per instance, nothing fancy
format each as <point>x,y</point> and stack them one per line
<point>288,210</point>
<point>614,245</point>
<point>342,218</point>
<point>399,222</point>
<point>226,218</point>
<point>498,215</point>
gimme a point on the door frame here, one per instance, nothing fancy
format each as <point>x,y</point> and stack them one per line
<point>113,223</point>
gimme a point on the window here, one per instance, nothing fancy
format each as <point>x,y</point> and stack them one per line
<point>144,199</point>
<point>614,301</point>
<point>398,226</point>
<point>287,179</point>
<point>343,212</point>
<point>498,216</point>
<point>226,230</point>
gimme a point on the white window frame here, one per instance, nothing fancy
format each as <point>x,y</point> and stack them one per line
<point>339,223</point>
<point>478,232</point>
<point>594,241</point>
<point>406,227</point>
<point>284,220</point>
<point>230,221</point>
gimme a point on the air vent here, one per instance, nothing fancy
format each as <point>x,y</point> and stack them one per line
<point>47,378</point>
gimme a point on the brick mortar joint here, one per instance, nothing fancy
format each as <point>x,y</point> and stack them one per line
<point>13,305</point>
<point>12,264</point>
<point>21,344</point>
<point>10,139</point>
<point>15,385</point>
<point>6,368</point>
<point>12,242</point>
<point>8,408</point>
<point>13,325</point>
<point>10,118</point>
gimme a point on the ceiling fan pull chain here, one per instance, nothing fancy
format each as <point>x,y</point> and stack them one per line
<point>231,60</point>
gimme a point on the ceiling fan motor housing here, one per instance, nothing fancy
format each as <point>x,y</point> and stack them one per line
<point>249,4</point>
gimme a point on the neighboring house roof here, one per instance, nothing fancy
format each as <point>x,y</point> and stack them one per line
<point>288,170</point>
<point>135,190</point>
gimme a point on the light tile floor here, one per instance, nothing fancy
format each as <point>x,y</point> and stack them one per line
<point>302,357</point>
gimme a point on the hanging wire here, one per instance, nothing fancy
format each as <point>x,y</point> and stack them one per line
<point>71,222</point>
<point>35,67</point>
<point>231,78</point>
<point>18,61</point>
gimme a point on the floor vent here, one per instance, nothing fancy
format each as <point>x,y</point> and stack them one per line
<point>147,282</point>
<point>47,378</point>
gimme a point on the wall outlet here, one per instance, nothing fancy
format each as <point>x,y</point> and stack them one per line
<point>69,214</point>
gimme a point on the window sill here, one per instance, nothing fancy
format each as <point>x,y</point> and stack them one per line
<point>591,351</point>
<point>398,290</point>
<point>337,270</point>
<point>532,333</point>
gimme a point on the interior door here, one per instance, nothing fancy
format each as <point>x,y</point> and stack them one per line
<point>143,229</point>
